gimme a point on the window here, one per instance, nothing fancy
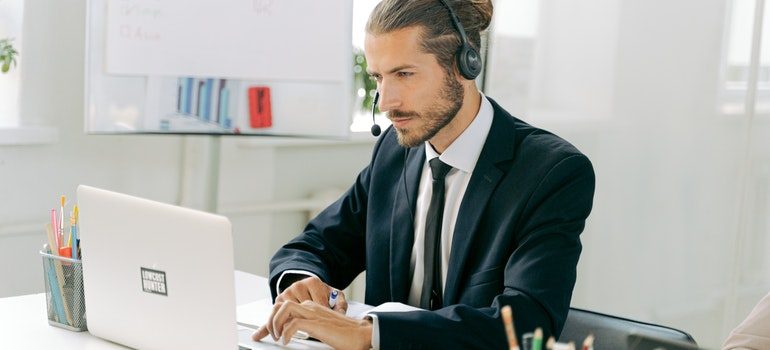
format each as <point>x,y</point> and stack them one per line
<point>362,119</point>
<point>736,61</point>
<point>510,60</point>
<point>10,27</point>
<point>554,61</point>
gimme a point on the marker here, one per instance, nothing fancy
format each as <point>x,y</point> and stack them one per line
<point>333,298</point>
<point>510,332</point>
<point>537,340</point>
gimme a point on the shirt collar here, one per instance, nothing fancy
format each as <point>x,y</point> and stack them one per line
<point>464,152</point>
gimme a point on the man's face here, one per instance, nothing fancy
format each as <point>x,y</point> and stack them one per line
<point>418,95</point>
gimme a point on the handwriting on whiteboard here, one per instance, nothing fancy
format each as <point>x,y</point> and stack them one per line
<point>263,7</point>
<point>138,20</point>
<point>298,40</point>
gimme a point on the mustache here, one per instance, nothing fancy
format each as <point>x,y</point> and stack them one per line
<point>394,114</point>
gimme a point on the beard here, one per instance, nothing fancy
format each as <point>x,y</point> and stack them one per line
<point>436,117</point>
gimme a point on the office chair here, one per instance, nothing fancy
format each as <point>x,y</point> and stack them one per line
<point>613,332</point>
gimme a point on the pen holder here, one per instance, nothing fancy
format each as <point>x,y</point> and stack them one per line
<point>64,292</point>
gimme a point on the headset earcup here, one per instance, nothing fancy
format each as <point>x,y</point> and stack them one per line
<point>469,62</point>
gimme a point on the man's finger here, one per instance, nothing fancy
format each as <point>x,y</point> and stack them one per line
<point>319,293</point>
<point>292,327</point>
<point>260,333</point>
<point>291,295</point>
<point>279,317</point>
<point>269,325</point>
<point>290,310</point>
<point>342,303</point>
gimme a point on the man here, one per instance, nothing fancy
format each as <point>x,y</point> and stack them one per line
<point>462,210</point>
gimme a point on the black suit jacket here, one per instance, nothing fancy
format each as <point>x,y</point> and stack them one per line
<point>516,239</point>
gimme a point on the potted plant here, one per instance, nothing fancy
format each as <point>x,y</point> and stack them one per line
<point>364,85</point>
<point>7,55</point>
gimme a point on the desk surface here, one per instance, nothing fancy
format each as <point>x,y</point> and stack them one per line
<point>24,320</point>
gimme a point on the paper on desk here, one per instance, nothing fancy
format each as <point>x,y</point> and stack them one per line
<point>255,314</point>
<point>392,307</point>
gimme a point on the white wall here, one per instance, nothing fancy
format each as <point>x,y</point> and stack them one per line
<point>634,84</point>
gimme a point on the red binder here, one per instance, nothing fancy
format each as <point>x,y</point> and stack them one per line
<point>260,113</point>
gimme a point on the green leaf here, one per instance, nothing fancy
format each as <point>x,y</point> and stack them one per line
<point>7,55</point>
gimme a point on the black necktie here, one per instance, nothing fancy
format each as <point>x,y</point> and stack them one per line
<point>432,294</point>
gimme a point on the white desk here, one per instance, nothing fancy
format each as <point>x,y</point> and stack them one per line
<point>24,320</point>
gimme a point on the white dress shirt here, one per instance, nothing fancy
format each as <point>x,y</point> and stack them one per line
<point>462,155</point>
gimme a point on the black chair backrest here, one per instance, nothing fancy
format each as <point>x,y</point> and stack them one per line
<point>612,332</point>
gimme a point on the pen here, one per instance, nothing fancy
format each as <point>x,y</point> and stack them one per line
<point>510,332</point>
<point>333,298</point>
<point>74,231</point>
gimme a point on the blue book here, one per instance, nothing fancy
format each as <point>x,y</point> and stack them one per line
<point>206,99</point>
<point>187,90</point>
<point>224,100</point>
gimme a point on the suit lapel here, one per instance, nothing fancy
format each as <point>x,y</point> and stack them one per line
<point>486,175</point>
<point>402,225</point>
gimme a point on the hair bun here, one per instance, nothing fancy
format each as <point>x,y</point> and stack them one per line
<point>482,16</point>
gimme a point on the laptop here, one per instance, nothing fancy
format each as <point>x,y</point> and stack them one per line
<point>157,276</point>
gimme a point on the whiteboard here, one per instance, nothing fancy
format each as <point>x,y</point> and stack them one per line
<point>198,66</point>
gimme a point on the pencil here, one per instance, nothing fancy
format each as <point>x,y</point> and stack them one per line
<point>510,332</point>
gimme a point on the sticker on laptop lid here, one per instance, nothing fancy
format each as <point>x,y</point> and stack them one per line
<point>154,281</point>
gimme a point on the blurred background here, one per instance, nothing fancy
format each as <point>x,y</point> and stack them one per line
<point>670,99</point>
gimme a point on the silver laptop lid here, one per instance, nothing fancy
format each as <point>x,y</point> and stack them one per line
<point>156,276</point>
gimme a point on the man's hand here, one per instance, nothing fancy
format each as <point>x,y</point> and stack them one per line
<point>320,322</point>
<point>311,288</point>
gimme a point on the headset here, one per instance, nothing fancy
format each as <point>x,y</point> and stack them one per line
<point>376,130</point>
<point>468,61</point>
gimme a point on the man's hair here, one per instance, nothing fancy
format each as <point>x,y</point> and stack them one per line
<point>439,36</point>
